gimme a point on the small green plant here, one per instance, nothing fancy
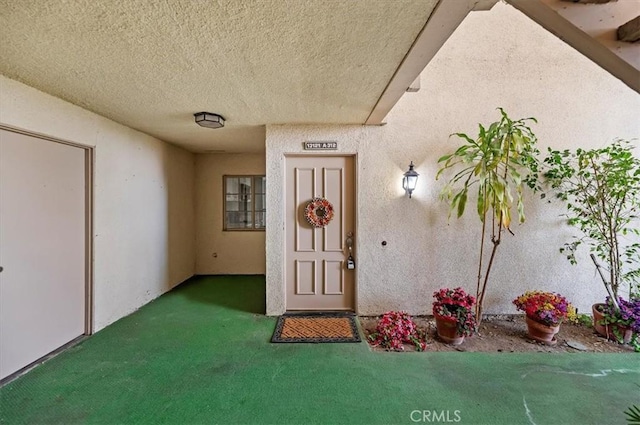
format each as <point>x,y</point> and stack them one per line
<point>581,319</point>
<point>497,166</point>
<point>396,328</point>
<point>633,415</point>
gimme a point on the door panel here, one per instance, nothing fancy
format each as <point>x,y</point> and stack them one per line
<point>333,188</point>
<point>305,277</point>
<point>334,280</point>
<point>316,274</point>
<point>305,182</point>
<point>42,248</point>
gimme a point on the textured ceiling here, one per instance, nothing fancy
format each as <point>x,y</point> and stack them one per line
<point>151,64</point>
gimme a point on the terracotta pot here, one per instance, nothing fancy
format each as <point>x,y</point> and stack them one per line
<point>607,331</point>
<point>447,329</point>
<point>597,317</point>
<point>541,332</point>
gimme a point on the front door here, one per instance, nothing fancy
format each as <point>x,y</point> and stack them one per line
<point>317,275</point>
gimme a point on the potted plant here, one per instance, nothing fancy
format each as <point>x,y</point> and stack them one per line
<point>453,312</point>
<point>497,165</point>
<point>544,312</point>
<point>622,326</point>
<point>396,328</point>
<point>601,190</point>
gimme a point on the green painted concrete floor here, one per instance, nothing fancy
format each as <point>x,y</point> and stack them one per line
<point>200,354</point>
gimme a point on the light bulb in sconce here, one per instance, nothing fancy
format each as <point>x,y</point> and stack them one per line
<point>410,180</point>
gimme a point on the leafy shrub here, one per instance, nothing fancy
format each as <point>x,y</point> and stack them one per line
<point>396,328</point>
<point>497,166</point>
<point>579,318</point>
<point>601,191</point>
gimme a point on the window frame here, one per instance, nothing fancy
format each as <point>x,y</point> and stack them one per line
<point>253,211</point>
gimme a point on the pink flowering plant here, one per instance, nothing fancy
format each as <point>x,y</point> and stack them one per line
<point>548,308</point>
<point>456,304</point>
<point>396,328</point>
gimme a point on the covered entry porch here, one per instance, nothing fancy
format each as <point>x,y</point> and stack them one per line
<point>201,354</point>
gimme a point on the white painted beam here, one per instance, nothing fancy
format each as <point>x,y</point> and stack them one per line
<point>415,86</point>
<point>562,28</point>
<point>589,1</point>
<point>445,18</point>
<point>600,21</point>
<point>630,32</point>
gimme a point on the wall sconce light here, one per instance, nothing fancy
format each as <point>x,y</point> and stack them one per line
<point>410,180</point>
<point>209,120</point>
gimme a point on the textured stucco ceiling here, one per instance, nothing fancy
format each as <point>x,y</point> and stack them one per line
<point>151,64</point>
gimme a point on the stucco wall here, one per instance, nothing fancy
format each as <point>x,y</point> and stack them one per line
<point>218,251</point>
<point>144,241</point>
<point>496,58</point>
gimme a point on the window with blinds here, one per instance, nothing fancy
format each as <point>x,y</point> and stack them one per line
<point>244,202</point>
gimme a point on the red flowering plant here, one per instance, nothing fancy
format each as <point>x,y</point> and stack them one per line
<point>456,304</point>
<point>394,329</point>
<point>548,308</point>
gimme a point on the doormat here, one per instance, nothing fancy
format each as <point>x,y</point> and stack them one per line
<point>316,327</point>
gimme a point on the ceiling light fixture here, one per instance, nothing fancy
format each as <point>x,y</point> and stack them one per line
<point>209,120</point>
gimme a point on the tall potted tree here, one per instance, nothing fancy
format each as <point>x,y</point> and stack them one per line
<point>601,191</point>
<point>497,166</point>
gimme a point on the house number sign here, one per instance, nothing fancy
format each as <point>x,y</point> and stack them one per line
<point>320,146</point>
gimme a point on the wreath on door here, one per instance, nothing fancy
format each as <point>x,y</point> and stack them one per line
<point>318,212</point>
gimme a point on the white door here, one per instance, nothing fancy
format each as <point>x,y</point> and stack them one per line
<point>317,276</point>
<point>42,248</point>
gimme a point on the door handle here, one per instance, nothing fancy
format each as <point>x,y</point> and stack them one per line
<point>351,264</point>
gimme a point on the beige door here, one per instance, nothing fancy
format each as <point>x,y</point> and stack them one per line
<point>317,277</point>
<point>42,248</point>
